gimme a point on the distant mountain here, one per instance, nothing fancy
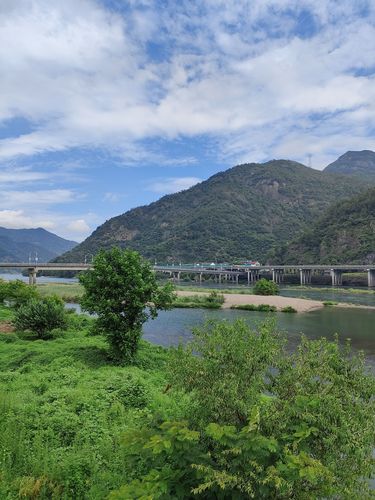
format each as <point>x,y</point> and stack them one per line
<point>241,213</point>
<point>345,234</point>
<point>359,164</point>
<point>17,245</point>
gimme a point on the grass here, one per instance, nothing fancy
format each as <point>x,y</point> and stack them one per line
<point>69,292</point>
<point>253,307</point>
<point>63,407</point>
<point>330,303</point>
<point>288,309</point>
<point>213,300</point>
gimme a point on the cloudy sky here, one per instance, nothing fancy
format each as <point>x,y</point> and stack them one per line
<point>109,104</point>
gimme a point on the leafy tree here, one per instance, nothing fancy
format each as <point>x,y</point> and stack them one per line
<point>41,316</point>
<point>308,432</point>
<point>265,287</point>
<point>122,290</point>
<point>17,292</point>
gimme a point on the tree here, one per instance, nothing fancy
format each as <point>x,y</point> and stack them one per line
<point>265,287</point>
<point>308,431</point>
<point>122,290</point>
<point>41,316</point>
<point>17,293</point>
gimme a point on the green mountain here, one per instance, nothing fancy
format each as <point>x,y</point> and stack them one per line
<point>241,213</point>
<point>17,245</point>
<point>359,164</point>
<point>345,234</point>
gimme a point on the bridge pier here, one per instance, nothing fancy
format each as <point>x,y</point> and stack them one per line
<point>371,277</point>
<point>252,276</point>
<point>305,276</point>
<point>277,275</point>
<point>32,276</point>
<point>336,275</point>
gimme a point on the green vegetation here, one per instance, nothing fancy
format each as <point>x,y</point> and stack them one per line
<point>212,300</point>
<point>288,309</point>
<point>266,287</point>
<point>16,293</point>
<point>253,307</point>
<point>275,436</point>
<point>73,425</point>
<point>68,292</point>
<point>41,316</point>
<point>345,234</point>
<point>330,303</point>
<point>220,218</point>
<point>122,290</point>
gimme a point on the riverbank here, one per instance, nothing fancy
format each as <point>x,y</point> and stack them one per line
<point>234,299</point>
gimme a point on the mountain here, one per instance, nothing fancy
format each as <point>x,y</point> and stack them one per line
<point>18,245</point>
<point>345,234</point>
<point>359,164</point>
<point>240,213</point>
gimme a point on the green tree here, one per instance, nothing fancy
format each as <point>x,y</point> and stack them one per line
<point>17,293</point>
<point>308,433</point>
<point>122,290</point>
<point>41,316</point>
<point>266,287</point>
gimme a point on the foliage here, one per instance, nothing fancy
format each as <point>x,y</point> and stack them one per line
<point>344,234</point>
<point>16,292</point>
<point>213,300</point>
<point>288,309</point>
<point>265,287</point>
<point>63,408</point>
<point>219,219</point>
<point>254,307</point>
<point>308,433</point>
<point>229,373</point>
<point>41,316</point>
<point>330,303</point>
<point>122,290</point>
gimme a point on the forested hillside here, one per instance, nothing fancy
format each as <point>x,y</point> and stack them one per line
<point>345,234</point>
<point>360,164</point>
<point>243,212</point>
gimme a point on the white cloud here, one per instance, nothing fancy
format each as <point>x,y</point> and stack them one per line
<point>17,219</point>
<point>91,82</point>
<point>14,199</point>
<point>20,175</point>
<point>173,184</point>
<point>79,226</point>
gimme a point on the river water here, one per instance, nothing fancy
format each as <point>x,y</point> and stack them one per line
<point>357,324</point>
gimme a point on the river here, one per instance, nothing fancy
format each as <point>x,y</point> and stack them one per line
<point>357,324</point>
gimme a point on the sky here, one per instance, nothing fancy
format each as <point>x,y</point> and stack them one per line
<point>106,105</point>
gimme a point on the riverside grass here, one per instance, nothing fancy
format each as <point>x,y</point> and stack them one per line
<point>63,407</point>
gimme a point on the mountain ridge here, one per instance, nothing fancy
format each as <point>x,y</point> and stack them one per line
<point>242,212</point>
<point>18,245</point>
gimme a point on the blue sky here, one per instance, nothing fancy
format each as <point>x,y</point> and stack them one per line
<point>109,104</point>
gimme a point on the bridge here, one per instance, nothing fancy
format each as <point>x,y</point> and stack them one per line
<point>221,272</point>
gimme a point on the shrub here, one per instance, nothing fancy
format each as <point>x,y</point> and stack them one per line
<point>329,303</point>
<point>288,309</point>
<point>265,287</point>
<point>41,316</point>
<point>253,307</point>
<point>17,293</point>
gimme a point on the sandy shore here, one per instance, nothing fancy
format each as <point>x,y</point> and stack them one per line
<point>236,299</point>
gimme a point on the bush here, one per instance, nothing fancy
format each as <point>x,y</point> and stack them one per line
<point>266,424</point>
<point>41,316</point>
<point>288,309</point>
<point>253,307</point>
<point>265,287</point>
<point>17,293</point>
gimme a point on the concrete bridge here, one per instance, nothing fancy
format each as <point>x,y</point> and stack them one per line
<point>223,273</point>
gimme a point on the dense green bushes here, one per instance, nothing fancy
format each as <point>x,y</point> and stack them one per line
<point>260,424</point>
<point>16,293</point>
<point>254,307</point>
<point>41,316</point>
<point>265,287</point>
<point>213,300</point>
